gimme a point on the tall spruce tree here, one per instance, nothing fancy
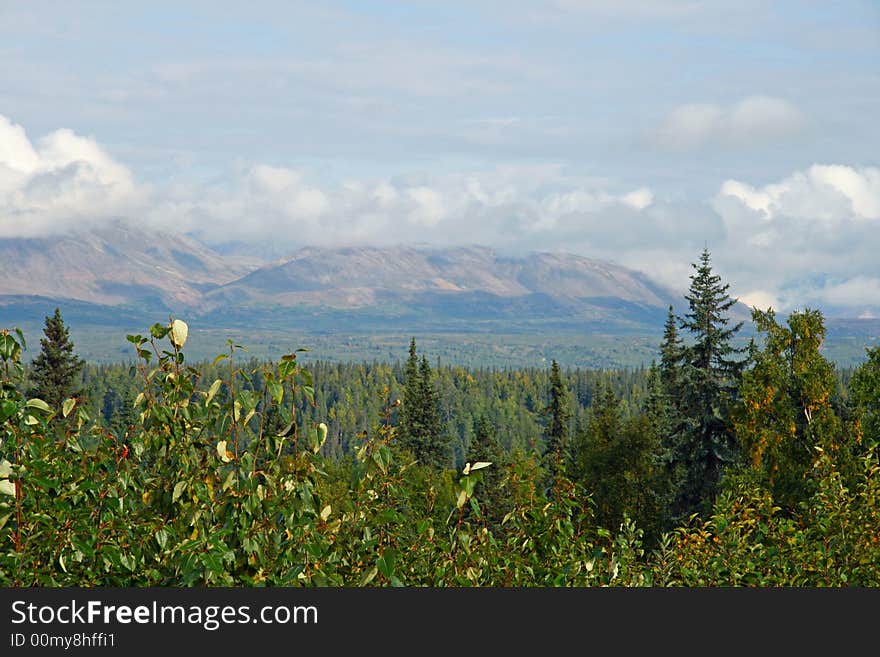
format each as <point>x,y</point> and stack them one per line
<point>56,368</point>
<point>707,381</point>
<point>421,429</point>
<point>409,408</point>
<point>671,353</point>
<point>558,415</point>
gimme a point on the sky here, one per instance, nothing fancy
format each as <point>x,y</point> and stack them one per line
<point>637,131</point>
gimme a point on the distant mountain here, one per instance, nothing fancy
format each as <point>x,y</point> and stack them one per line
<point>118,265</point>
<point>121,273</point>
<point>456,283</point>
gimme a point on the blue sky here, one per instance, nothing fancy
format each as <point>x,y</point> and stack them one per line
<point>630,130</point>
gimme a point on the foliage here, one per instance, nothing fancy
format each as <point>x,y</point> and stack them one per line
<point>218,477</point>
<point>865,393</point>
<point>786,407</point>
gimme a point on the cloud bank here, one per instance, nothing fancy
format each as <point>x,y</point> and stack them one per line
<point>61,182</point>
<point>810,238</point>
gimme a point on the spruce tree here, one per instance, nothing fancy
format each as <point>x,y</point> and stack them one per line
<point>709,376</point>
<point>409,412</point>
<point>558,414</point>
<point>56,367</point>
<point>671,353</point>
<point>421,429</point>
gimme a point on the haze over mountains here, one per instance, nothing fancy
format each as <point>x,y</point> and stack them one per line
<point>120,270</point>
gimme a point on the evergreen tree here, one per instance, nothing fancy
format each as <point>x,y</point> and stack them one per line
<point>409,411</point>
<point>421,429</point>
<point>671,353</point>
<point>663,421</point>
<point>56,367</point>
<point>706,385</point>
<point>558,414</point>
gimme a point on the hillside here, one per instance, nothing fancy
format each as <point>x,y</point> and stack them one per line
<point>436,284</point>
<point>118,265</point>
<point>120,271</point>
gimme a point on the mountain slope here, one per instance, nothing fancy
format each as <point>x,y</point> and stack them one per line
<point>119,270</point>
<point>116,265</point>
<point>363,277</point>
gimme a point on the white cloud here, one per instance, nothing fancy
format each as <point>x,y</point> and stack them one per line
<point>811,237</point>
<point>511,207</point>
<point>830,193</point>
<point>66,181</point>
<point>755,119</point>
<point>857,291</point>
<point>638,199</point>
<point>760,299</point>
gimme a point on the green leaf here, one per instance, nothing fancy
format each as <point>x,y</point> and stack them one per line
<point>212,391</point>
<point>325,512</point>
<point>39,404</point>
<point>7,487</point>
<point>158,331</point>
<point>8,346</point>
<point>212,562</point>
<point>4,518</point>
<point>21,339</point>
<point>178,490</point>
<point>368,576</point>
<point>276,390</point>
<point>319,437</point>
<point>67,406</point>
<point>7,409</point>
<point>462,498</point>
<point>229,481</point>
<point>5,468</point>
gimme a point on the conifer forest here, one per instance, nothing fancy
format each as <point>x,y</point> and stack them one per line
<point>717,465</point>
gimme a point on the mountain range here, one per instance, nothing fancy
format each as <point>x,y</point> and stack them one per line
<point>118,273</point>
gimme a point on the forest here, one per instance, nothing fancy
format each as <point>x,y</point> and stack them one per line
<point>718,465</point>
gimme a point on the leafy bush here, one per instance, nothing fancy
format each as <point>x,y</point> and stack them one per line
<point>221,483</point>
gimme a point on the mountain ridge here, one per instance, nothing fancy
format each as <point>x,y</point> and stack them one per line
<point>123,271</point>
